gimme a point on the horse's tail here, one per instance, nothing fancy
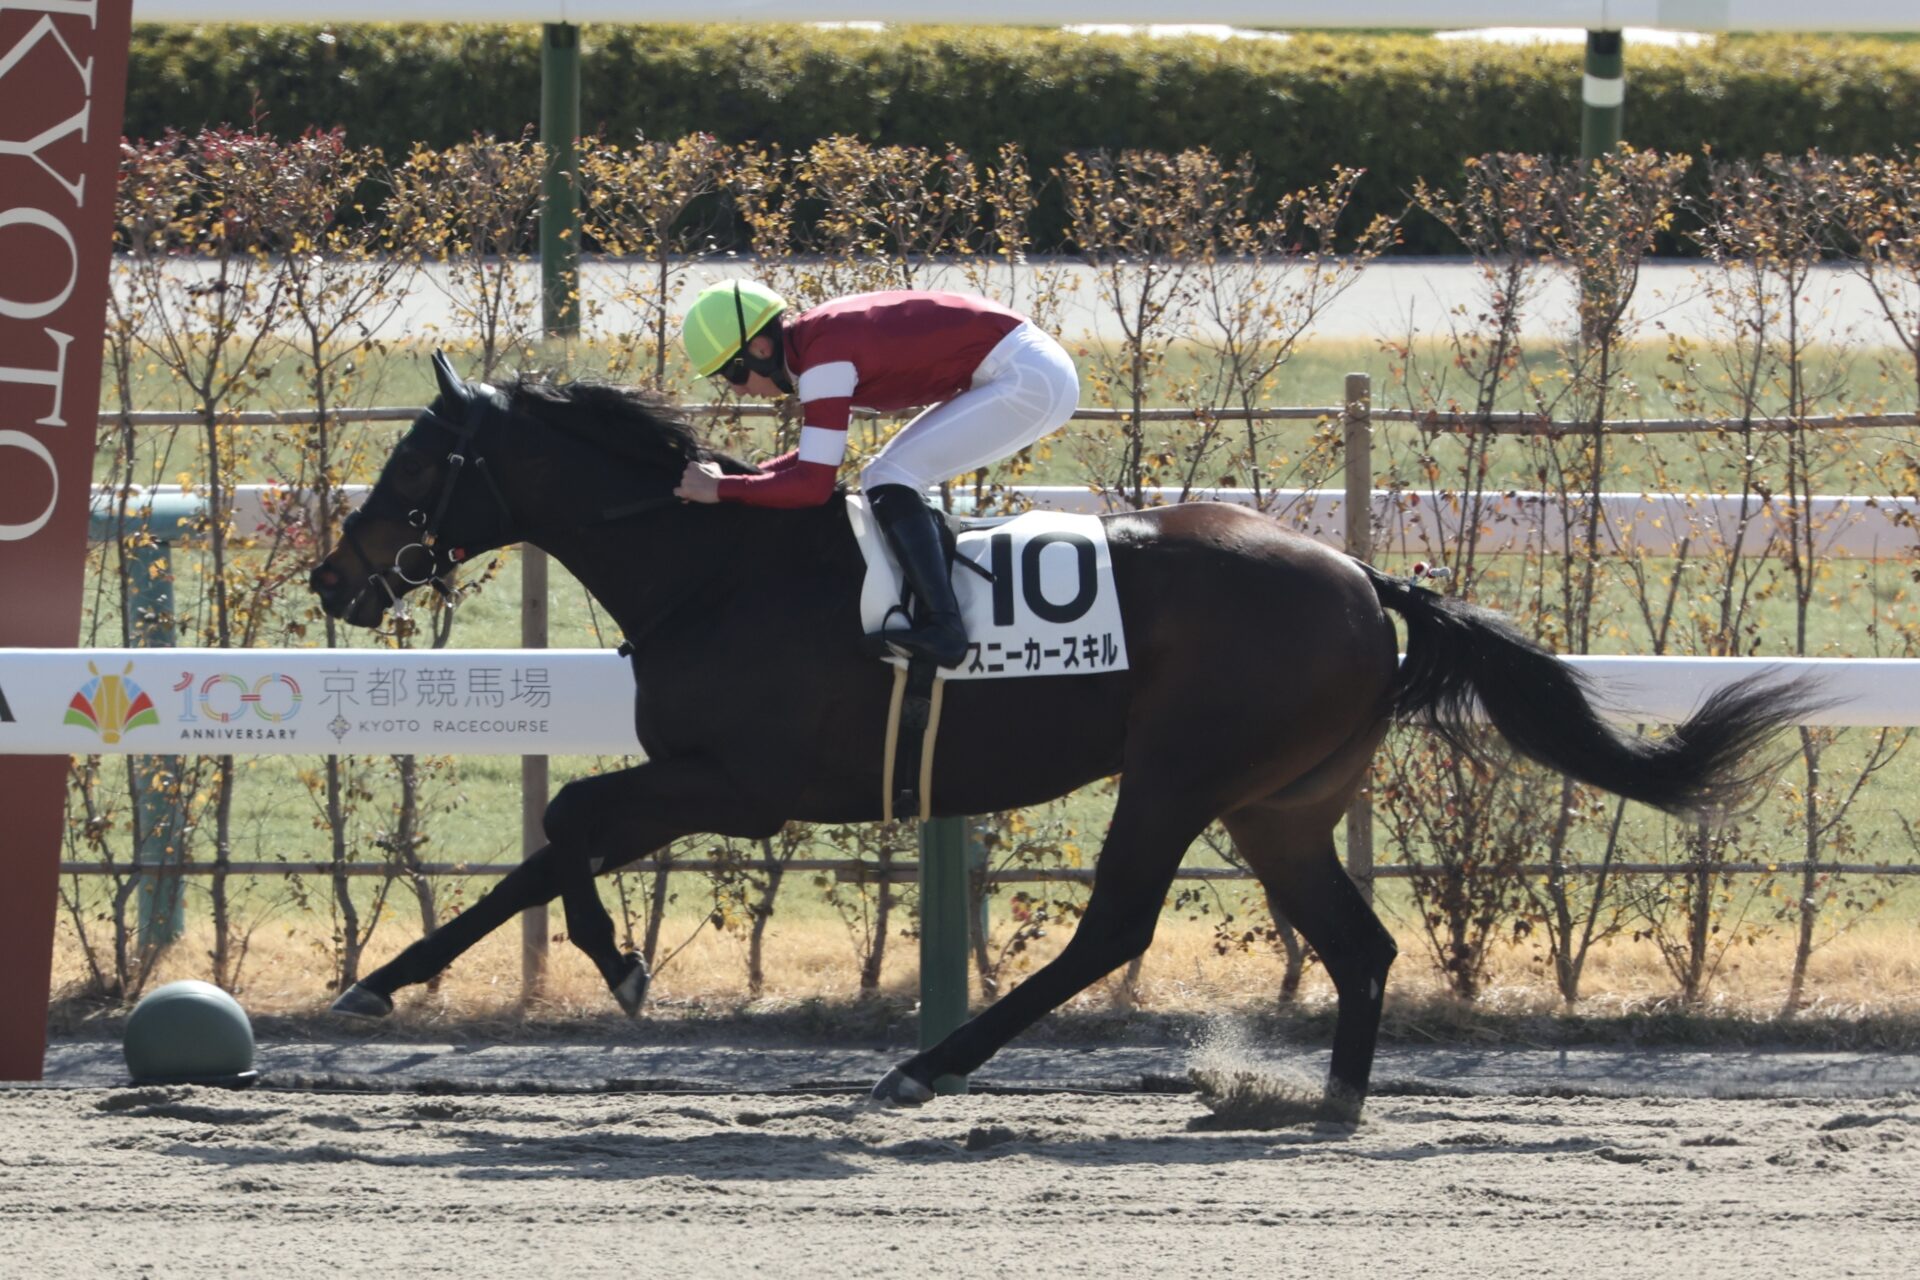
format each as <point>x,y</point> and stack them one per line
<point>1459,654</point>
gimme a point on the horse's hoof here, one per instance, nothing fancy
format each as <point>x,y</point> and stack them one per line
<point>631,990</point>
<point>1341,1105</point>
<point>898,1089</point>
<point>360,1002</point>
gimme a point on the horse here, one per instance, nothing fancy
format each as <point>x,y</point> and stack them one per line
<point>1263,673</point>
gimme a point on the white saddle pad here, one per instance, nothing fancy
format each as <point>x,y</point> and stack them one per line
<point>1051,609</point>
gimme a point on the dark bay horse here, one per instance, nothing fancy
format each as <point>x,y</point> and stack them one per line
<point>1263,676</point>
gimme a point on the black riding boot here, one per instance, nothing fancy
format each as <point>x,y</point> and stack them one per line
<point>913,532</point>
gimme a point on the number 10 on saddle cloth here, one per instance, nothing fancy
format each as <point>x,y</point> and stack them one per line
<point>1050,610</point>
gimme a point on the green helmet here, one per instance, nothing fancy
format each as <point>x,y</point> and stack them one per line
<point>721,320</point>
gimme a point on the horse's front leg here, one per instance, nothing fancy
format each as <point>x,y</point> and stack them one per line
<point>535,881</point>
<point>608,820</point>
<point>594,824</point>
<point>590,928</point>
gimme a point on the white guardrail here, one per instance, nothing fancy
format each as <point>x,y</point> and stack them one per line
<point>579,701</point>
<point>1405,522</point>
<point>1594,15</point>
<point>502,702</point>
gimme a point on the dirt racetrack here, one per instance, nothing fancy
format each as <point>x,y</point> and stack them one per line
<point>166,1181</point>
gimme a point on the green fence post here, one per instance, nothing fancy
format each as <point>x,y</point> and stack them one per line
<point>977,885</point>
<point>1603,95</point>
<point>559,190</point>
<point>164,519</point>
<point>535,781</point>
<point>943,936</point>
<point>162,910</point>
<point>1357,433</point>
<point>560,317</point>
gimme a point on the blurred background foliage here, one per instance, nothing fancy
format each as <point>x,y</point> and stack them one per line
<point>1400,107</point>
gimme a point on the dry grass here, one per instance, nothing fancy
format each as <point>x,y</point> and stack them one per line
<point>1864,987</point>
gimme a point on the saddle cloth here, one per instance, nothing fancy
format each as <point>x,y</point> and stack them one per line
<point>1051,609</point>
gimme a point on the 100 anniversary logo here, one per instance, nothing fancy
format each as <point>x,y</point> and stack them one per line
<point>113,705</point>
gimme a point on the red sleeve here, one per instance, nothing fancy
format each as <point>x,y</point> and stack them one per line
<point>804,484</point>
<point>774,466</point>
<point>829,413</point>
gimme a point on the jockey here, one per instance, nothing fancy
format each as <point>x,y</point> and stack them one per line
<point>996,384</point>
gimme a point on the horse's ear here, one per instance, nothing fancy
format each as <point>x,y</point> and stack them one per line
<point>451,386</point>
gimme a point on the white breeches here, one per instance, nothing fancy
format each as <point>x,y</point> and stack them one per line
<point>1025,388</point>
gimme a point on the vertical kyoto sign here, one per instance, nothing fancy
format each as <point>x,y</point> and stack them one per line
<point>63,80</point>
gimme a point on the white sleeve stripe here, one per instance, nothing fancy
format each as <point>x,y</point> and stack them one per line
<point>819,444</point>
<point>828,381</point>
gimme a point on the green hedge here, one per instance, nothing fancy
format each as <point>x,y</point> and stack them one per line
<point>1402,107</point>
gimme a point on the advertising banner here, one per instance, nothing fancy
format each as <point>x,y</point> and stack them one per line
<point>470,702</point>
<point>63,79</point>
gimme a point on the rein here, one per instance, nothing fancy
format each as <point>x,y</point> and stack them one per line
<point>609,514</point>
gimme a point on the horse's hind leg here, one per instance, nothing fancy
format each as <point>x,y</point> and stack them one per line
<point>1291,849</point>
<point>1144,846</point>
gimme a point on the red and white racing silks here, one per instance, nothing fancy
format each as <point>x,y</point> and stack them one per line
<point>885,351</point>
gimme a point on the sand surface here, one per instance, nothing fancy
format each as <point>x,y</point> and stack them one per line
<point>168,1181</point>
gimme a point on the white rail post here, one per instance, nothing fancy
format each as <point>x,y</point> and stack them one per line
<point>1358,424</point>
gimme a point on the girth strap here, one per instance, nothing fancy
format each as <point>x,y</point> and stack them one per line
<point>913,720</point>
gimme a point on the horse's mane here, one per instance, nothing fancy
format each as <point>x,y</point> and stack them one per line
<point>631,423</point>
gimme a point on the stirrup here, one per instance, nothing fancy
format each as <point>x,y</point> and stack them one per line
<point>944,646</point>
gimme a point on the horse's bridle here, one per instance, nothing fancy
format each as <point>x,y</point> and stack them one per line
<point>440,561</point>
